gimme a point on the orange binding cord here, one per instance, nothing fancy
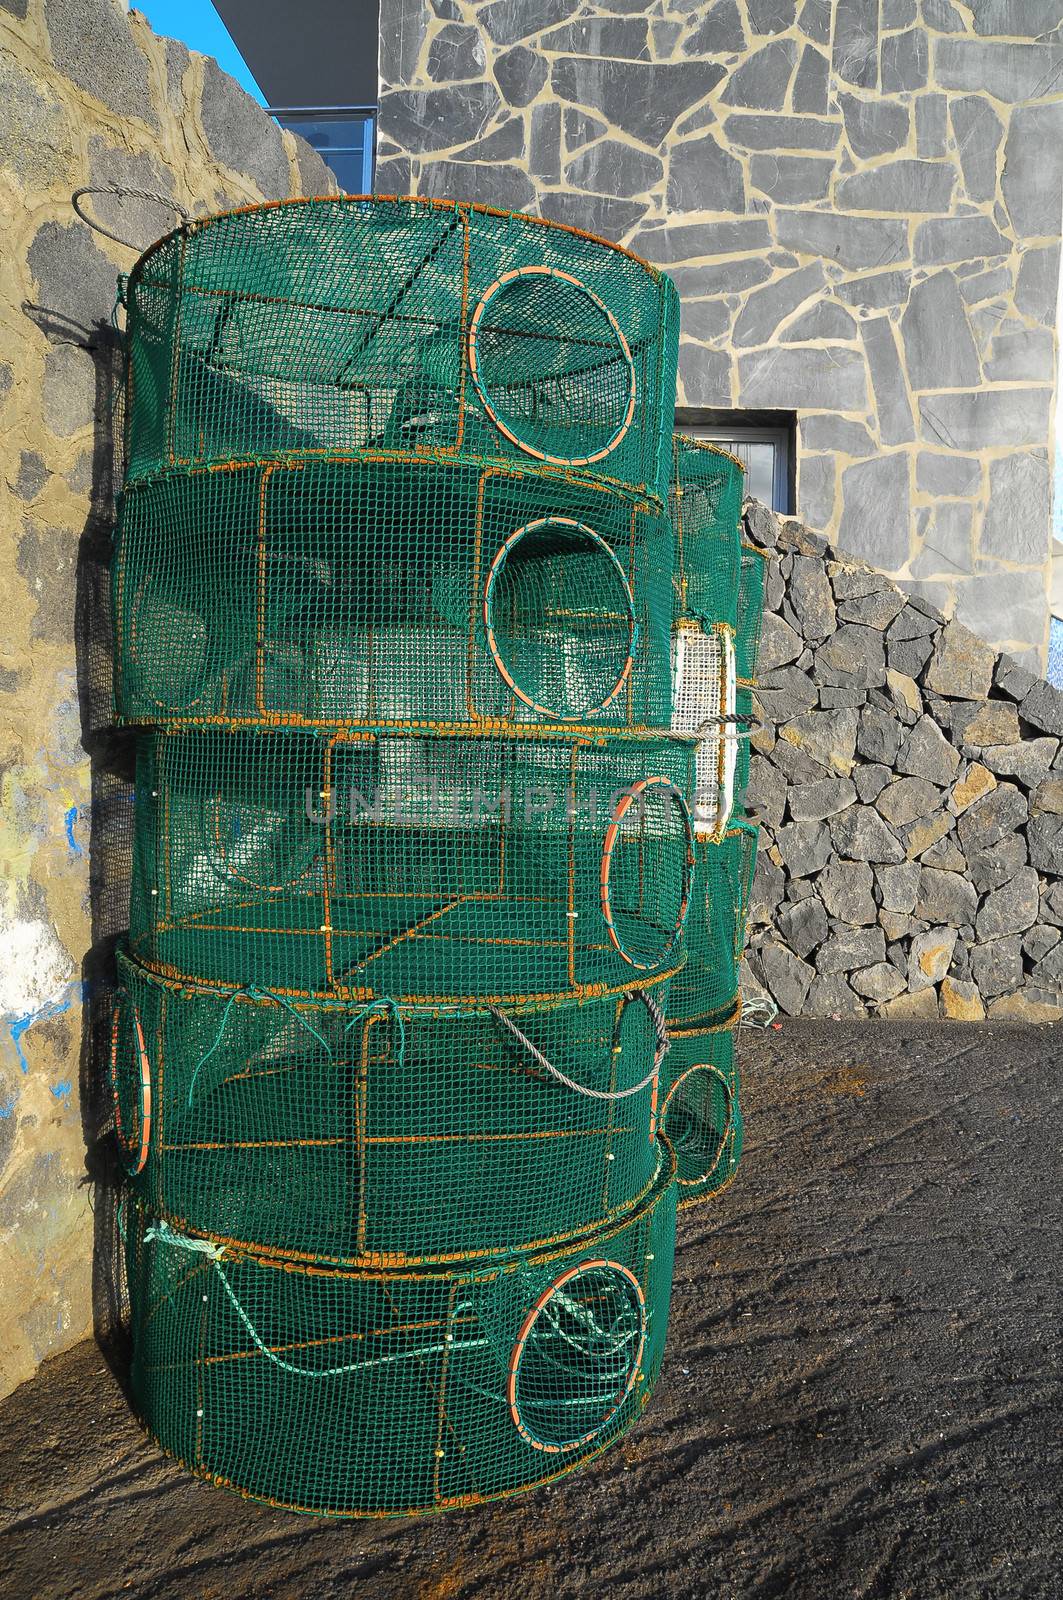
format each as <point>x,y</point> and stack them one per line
<point>709,447</point>
<point>495,572</point>
<point>165,974</point>
<point>570,887</point>
<point>522,1339</point>
<point>477,555</point>
<point>612,833</point>
<point>329,885</point>
<point>199,225</point>
<point>459,438</point>
<point>125,1145</point>
<point>478,384</point>
<point>260,600</point>
<point>661,1048</point>
<point>361,1117</point>
<point>714,1072</point>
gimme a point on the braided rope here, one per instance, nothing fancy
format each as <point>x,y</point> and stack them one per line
<point>163,1233</point>
<point>252,991</point>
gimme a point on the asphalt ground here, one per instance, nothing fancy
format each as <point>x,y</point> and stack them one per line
<point>862,1395</point>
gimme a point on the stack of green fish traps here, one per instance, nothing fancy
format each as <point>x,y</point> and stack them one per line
<point>430,985</point>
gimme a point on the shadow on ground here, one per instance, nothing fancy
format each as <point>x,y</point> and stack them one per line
<point>862,1395</point>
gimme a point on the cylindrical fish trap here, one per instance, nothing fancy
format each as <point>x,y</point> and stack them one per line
<point>720,582</point>
<point>377,1134</point>
<point>383,1393</point>
<point>442,867</point>
<point>390,589</point>
<point>435,698</point>
<point>329,326</point>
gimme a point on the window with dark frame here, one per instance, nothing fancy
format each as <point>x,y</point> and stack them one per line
<point>764,441</point>
<point>343,136</point>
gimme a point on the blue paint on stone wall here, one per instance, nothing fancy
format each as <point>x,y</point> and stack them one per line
<point>54,1008</point>
<point>71,818</point>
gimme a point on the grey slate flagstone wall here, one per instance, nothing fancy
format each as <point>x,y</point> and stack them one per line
<point>860,204</point>
<point>908,780</point>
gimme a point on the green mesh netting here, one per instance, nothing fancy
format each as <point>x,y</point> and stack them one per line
<point>338,325</point>
<point>442,867</point>
<point>719,586</point>
<point>705,496</point>
<point>439,714</point>
<point>361,1134</point>
<point>394,591</point>
<point>391,1392</point>
<point>747,643</point>
<point>701,1113</point>
<point>705,989</point>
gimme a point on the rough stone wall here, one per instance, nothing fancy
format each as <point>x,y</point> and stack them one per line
<point>909,784</point>
<point>860,204</point>
<point>87,95</point>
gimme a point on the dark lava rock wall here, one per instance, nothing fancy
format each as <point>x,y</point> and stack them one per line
<point>908,780</point>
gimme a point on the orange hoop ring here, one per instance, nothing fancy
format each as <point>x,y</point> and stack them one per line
<point>125,1145</point>
<point>495,572</point>
<point>611,836</point>
<point>478,384</point>
<point>714,1072</point>
<point>522,1338</point>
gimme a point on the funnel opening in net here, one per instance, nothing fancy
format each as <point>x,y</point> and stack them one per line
<point>134,1144</point>
<point>551,366</point>
<point>645,905</point>
<point>169,643</point>
<point>261,846</point>
<point>577,1355</point>
<point>560,618</point>
<point>697,1119</point>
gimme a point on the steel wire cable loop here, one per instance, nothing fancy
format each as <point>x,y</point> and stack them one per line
<point>582,1088</point>
<point>664,1044</point>
<point>125,1145</point>
<point>612,833</point>
<point>540,1307</point>
<point>481,390</point>
<point>123,192</point>
<point>495,572</point>
<point>744,723</point>
<point>660,1026</point>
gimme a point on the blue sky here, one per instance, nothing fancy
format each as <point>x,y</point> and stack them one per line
<point>199,26</point>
